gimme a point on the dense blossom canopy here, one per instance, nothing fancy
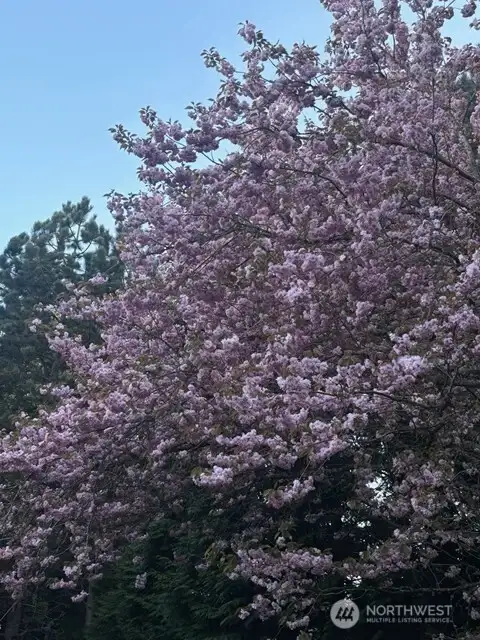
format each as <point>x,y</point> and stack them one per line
<point>311,298</point>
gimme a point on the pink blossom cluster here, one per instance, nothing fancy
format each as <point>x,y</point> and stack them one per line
<point>310,297</point>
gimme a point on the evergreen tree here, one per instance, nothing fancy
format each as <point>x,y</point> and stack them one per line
<point>163,587</point>
<point>34,268</point>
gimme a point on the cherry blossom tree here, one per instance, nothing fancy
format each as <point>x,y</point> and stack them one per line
<point>301,316</point>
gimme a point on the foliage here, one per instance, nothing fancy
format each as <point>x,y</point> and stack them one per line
<point>34,268</point>
<point>183,597</point>
<point>298,337</point>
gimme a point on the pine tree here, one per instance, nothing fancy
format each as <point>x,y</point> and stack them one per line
<point>69,246</point>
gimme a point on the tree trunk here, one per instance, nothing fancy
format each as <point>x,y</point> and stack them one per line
<point>89,609</point>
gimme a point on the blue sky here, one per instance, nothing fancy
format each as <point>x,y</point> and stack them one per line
<point>72,69</point>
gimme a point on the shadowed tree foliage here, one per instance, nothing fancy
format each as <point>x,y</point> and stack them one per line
<point>34,268</point>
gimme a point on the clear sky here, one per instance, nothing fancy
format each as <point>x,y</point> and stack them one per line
<point>70,69</point>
